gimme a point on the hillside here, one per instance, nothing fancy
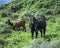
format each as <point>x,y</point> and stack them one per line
<point>43,6</point>
<point>19,9</point>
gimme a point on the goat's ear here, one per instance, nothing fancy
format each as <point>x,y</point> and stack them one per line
<point>44,17</point>
<point>34,18</point>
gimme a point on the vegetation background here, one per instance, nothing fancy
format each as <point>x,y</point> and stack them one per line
<point>20,39</point>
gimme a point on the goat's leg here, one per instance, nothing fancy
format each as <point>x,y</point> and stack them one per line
<point>44,32</point>
<point>32,33</point>
<point>24,28</point>
<point>36,34</point>
<point>41,32</point>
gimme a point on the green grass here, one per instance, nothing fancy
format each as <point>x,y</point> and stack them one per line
<point>19,39</point>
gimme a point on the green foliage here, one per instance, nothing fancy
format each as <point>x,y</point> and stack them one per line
<point>19,39</point>
<point>51,6</point>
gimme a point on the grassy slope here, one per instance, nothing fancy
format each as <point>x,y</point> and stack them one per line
<point>18,39</point>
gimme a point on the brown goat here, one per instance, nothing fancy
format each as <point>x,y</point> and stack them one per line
<point>19,24</point>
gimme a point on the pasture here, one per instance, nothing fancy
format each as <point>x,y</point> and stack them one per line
<point>19,39</point>
<point>19,9</point>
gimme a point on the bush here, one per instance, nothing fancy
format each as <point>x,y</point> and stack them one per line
<point>5,29</point>
<point>16,7</point>
<point>6,13</point>
<point>49,12</point>
<point>27,14</point>
<point>56,10</point>
<point>14,16</point>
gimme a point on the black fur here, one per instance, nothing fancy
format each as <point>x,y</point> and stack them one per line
<point>9,22</point>
<point>37,24</point>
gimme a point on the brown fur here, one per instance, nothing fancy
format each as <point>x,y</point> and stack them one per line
<point>19,24</point>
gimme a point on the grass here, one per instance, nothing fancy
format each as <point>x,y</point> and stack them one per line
<point>19,39</point>
<point>39,43</point>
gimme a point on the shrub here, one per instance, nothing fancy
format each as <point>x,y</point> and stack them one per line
<point>6,13</point>
<point>56,10</point>
<point>49,12</point>
<point>5,29</point>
